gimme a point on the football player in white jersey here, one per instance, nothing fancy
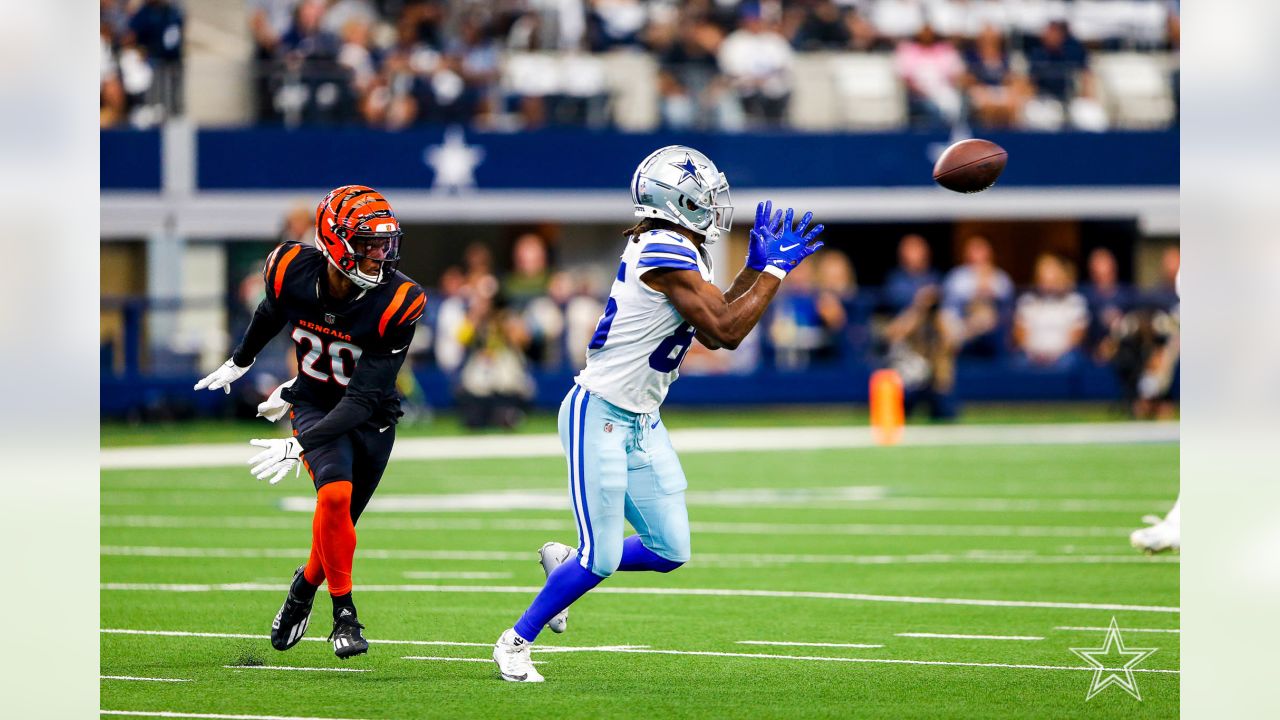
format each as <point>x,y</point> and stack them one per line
<point>622,468</point>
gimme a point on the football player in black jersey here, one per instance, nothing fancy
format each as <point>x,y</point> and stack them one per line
<point>351,314</point>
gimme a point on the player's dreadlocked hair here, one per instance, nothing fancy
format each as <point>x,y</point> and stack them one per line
<point>635,231</point>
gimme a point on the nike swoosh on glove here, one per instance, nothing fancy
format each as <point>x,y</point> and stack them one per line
<point>279,457</point>
<point>786,247</point>
<point>275,406</point>
<point>222,378</point>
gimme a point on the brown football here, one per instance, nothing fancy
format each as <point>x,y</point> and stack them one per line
<point>970,166</point>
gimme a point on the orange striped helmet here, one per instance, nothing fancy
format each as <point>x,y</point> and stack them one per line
<point>358,231</point>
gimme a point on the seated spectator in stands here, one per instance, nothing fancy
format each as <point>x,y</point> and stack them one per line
<point>494,385</point>
<point>312,88</point>
<point>157,28</point>
<point>757,59</point>
<point>1107,299</point>
<point>799,329</point>
<point>358,56</point>
<point>975,301</point>
<point>838,306</point>
<point>694,94</point>
<point>922,350</point>
<point>996,93</point>
<point>1065,87</point>
<point>529,275</point>
<point>615,23</point>
<point>1051,320</point>
<point>478,63</point>
<point>932,69</point>
<point>912,274</point>
<point>1165,294</point>
<point>823,28</point>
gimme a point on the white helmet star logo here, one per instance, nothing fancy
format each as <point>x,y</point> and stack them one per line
<point>454,161</point>
<point>1103,676</point>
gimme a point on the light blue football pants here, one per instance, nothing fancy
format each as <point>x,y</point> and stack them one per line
<point>621,466</point>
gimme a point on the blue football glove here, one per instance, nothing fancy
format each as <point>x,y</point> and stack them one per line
<point>787,247</point>
<point>766,220</point>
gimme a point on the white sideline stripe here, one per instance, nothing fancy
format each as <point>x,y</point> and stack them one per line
<point>885,661</point>
<point>685,441</point>
<point>712,592</point>
<point>808,644</point>
<point>967,637</point>
<point>434,643</point>
<point>449,575</point>
<point>459,659</point>
<point>371,554</point>
<point>145,679</point>
<point>209,715</point>
<point>715,528</point>
<point>290,667</point>
<point>1126,629</point>
<point>981,557</point>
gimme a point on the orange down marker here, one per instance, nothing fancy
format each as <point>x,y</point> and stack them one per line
<point>887,415</point>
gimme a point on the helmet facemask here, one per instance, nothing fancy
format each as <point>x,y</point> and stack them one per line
<point>371,258</point>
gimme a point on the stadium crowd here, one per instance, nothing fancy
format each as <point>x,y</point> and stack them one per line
<point>489,329</point>
<point>724,65</point>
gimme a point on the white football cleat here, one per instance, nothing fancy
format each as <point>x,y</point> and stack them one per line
<point>554,555</point>
<point>1161,535</point>
<point>512,653</point>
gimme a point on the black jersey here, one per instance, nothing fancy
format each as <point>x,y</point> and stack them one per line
<point>349,351</point>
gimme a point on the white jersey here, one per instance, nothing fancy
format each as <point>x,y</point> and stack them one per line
<point>635,353</point>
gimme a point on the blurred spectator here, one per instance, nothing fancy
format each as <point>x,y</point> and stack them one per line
<point>1165,294</point>
<point>157,28</point>
<point>844,317</point>
<point>805,323</point>
<point>450,314</point>
<point>693,93</point>
<point>268,20</point>
<point>299,225</point>
<point>494,385</point>
<point>307,83</point>
<point>1107,299</point>
<point>1146,359</point>
<point>932,69</point>
<point>615,23</point>
<point>112,103</point>
<point>1066,88</point>
<point>975,300</point>
<point>823,28</point>
<point>911,275</point>
<point>996,93</point>
<point>923,352</point>
<point>757,60</point>
<point>1051,320</point>
<point>529,275</point>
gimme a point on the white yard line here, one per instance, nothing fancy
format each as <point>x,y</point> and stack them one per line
<point>565,525</point>
<point>605,590</point>
<point>967,637</point>
<point>1123,630</point>
<point>449,575</point>
<point>977,557</point>
<point>291,667</point>
<point>685,441</point>
<point>243,636</point>
<point>886,661</point>
<point>458,659</point>
<point>209,715</point>
<point>144,679</point>
<point>808,644</point>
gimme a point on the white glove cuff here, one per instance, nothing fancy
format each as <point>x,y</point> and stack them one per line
<point>775,271</point>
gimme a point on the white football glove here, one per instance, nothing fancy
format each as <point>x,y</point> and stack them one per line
<point>281,456</point>
<point>222,378</point>
<point>275,407</point>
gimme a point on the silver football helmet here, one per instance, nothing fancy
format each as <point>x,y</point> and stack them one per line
<point>681,185</point>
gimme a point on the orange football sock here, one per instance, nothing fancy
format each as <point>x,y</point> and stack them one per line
<point>333,536</point>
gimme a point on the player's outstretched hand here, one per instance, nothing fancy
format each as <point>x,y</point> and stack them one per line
<point>275,406</point>
<point>767,221</point>
<point>786,247</point>
<point>280,456</point>
<point>222,378</point>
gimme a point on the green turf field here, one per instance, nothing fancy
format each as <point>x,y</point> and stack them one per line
<point>889,538</point>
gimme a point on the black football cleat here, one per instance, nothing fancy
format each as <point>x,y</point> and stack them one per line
<point>291,622</point>
<point>346,637</point>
